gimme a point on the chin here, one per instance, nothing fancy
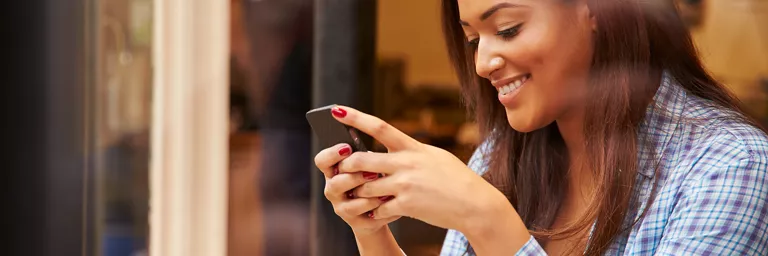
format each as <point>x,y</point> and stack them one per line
<point>522,122</point>
<point>518,126</point>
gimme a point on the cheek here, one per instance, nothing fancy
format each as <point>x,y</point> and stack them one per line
<point>561,62</point>
<point>559,74</point>
<point>553,55</point>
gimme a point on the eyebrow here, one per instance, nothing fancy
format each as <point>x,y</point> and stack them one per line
<point>487,14</point>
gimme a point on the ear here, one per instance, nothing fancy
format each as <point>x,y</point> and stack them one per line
<point>586,12</point>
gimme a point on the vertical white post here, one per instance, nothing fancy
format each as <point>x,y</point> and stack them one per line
<point>189,172</point>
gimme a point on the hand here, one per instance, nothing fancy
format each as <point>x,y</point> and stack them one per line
<point>421,181</point>
<point>338,186</point>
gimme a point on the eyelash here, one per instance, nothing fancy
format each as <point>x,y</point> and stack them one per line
<point>506,34</point>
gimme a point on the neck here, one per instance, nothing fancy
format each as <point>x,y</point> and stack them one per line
<point>571,128</point>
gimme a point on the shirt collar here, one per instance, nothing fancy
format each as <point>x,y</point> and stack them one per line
<point>661,120</point>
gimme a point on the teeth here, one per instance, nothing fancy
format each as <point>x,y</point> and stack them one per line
<point>512,86</point>
<point>506,89</point>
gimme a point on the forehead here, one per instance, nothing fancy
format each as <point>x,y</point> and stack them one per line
<point>469,7</point>
<point>474,10</point>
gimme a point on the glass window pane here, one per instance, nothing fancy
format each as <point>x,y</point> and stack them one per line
<point>122,108</point>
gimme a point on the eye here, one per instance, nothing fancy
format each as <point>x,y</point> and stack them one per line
<point>506,34</point>
<point>473,43</point>
<point>510,32</point>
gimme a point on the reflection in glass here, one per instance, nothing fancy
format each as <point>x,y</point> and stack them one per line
<point>121,125</point>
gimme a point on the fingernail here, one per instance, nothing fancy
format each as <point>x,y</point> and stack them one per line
<point>350,195</point>
<point>370,215</point>
<point>335,170</point>
<point>370,175</point>
<point>338,112</point>
<point>345,151</point>
<point>386,198</point>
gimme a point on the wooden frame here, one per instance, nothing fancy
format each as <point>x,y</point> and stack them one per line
<point>188,169</point>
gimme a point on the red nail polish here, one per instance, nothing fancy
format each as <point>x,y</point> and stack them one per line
<point>370,175</point>
<point>335,170</point>
<point>345,151</point>
<point>350,195</point>
<point>338,112</point>
<point>386,198</point>
<point>370,215</point>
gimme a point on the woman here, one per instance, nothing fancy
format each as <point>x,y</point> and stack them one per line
<point>604,135</point>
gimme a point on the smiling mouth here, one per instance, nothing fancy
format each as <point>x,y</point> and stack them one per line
<point>514,85</point>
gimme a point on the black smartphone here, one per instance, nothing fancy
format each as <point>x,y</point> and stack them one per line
<point>330,131</point>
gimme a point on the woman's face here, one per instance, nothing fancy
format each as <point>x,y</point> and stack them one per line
<point>536,53</point>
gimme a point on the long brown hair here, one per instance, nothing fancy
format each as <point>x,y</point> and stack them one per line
<point>636,41</point>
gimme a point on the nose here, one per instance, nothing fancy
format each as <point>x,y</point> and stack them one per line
<point>486,62</point>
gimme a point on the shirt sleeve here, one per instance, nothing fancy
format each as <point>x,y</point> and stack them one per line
<point>455,244</point>
<point>477,162</point>
<point>531,248</point>
<point>724,212</point>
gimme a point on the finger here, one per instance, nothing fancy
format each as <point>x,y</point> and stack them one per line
<point>389,209</point>
<point>337,188</point>
<point>385,163</point>
<point>329,157</point>
<point>356,207</point>
<point>388,220</point>
<point>385,133</point>
<point>364,221</point>
<point>381,187</point>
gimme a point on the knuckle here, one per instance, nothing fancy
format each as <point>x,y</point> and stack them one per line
<point>404,206</point>
<point>406,162</point>
<point>381,212</point>
<point>399,205</point>
<point>402,202</point>
<point>327,192</point>
<point>318,160</point>
<point>373,203</point>
<point>343,210</point>
<point>362,190</point>
<point>324,159</point>
<point>404,184</point>
<point>352,163</point>
<point>338,211</point>
<point>330,190</point>
<point>380,127</point>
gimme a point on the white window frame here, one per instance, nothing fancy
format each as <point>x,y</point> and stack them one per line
<point>189,141</point>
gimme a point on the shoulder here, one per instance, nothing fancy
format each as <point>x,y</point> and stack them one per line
<point>717,137</point>
<point>713,194</point>
<point>715,148</point>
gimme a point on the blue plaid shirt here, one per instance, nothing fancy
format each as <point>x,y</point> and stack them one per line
<point>713,184</point>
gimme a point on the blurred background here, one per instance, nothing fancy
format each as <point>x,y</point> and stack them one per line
<point>386,57</point>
